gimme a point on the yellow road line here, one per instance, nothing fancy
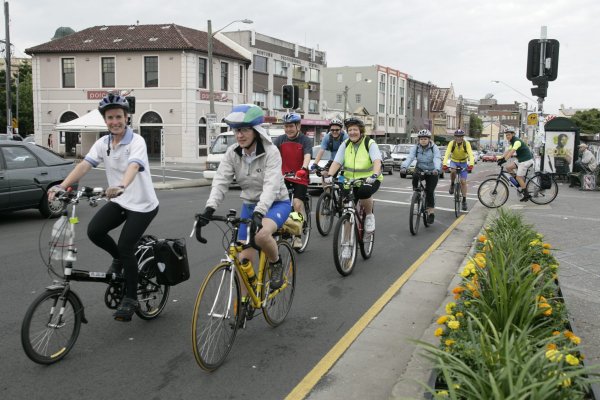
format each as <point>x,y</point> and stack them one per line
<point>315,375</point>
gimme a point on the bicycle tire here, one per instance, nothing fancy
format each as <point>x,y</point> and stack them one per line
<point>44,341</point>
<point>324,214</point>
<point>277,308</point>
<point>457,191</point>
<point>151,296</point>
<point>415,213</point>
<point>344,266</point>
<point>541,196</point>
<point>215,317</point>
<point>368,239</point>
<point>492,193</point>
<point>424,213</point>
<point>306,227</point>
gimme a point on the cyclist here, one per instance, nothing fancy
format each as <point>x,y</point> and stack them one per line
<point>256,164</point>
<point>361,158</point>
<point>459,152</point>
<point>428,159</point>
<point>295,150</point>
<point>132,200</point>
<point>524,160</point>
<point>331,142</point>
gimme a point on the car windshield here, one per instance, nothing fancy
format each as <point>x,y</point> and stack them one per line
<point>222,143</point>
<point>402,148</point>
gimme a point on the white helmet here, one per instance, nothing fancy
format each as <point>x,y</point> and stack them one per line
<point>424,133</point>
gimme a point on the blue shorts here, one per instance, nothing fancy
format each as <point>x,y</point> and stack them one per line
<point>279,212</point>
<point>464,173</point>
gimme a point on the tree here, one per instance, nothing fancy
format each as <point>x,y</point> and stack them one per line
<point>588,121</point>
<point>475,126</point>
<point>25,99</point>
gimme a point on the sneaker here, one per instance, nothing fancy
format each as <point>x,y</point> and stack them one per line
<point>451,190</point>
<point>276,274</point>
<point>370,223</point>
<point>115,268</point>
<point>464,204</point>
<point>526,196</point>
<point>125,310</point>
<point>346,252</point>
<point>430,218</point>
<point>297,242</point>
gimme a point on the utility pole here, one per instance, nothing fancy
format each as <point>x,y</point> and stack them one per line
<point>8,71</point>
<point>345,100</point>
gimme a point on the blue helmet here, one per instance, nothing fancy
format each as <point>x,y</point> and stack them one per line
<point>248,116</point>
<point>292,118</point>
<point>111,101</point>
<point>459,132</point>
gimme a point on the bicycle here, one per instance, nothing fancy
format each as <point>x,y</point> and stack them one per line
<point>349,231</point>
<point>457,190</point>
<point>53,321</point>
<point>418,207</point>
<point>328,206</point>
<point>493,192</point>
<point>219,309</point>
<point>306,223</point>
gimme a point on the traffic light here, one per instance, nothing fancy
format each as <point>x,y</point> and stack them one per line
<point>290,96</point>
<point>131,101</point>
<point>535,52</point>
<point>542,86</point>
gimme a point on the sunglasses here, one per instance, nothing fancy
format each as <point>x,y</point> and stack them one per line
<point>335,130</point>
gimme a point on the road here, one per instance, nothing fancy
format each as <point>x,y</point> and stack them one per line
<point>153,359</point>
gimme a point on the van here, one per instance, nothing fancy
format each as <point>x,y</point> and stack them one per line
<point>219,147</point>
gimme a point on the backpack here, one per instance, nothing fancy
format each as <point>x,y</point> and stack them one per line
<point>367,143</point>
<point>330,144</point>
<point>454,144</point>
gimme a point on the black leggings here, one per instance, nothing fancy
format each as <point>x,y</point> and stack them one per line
<point>431,182</point>
<point>108,218</point>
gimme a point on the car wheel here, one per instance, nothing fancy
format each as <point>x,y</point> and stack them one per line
<point>51,209</point>
<point>402,175</point>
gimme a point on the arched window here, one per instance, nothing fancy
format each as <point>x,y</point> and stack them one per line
<point>150,127</point>
<point>151,118</point>
<point>202,149</point>
<point>69,139</point>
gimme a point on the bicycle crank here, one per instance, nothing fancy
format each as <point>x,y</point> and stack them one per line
<point>114,295</point>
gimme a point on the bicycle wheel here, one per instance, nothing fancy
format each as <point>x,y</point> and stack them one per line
<point>415,212</point>
<point>492,193</point>
<point>324,214</point>
<point>51,326</point>
<point>457,191</point>
<point>539,195</point>
<point>151,296</point>
<point>306,227</point>
<point>345,238</point>
<point>215,317</point>
<point>276,308</point>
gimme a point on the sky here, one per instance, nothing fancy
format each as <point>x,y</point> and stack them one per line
<point>464,43</point>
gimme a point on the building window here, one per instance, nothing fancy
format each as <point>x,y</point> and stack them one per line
<point>224,76</point>
<point>313,106</point>
<point>381,121</point>
<point>314,75</point>
<point>260,64</point>
<point>339,77</point>
<point>281,68</point>
<point>277,105</point>
<point>241,79</point>
<point>358,98</point>
<point>68,72</point>
<point>382,83</point>
<point>381,108</point>
<point>151,71</point>
<point>418,101</point>
<point>425,103</point>
<point>299,72</point>
<point>338,98</point>
<point>260,99</point>
<point>202,73</point>
<point>108,72</point>
<point>358,76</point>
<point>202,132</point>
<point>391,122</point>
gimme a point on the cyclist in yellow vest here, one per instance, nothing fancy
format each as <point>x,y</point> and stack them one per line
<point>361,158</point>
<point>459,152</point>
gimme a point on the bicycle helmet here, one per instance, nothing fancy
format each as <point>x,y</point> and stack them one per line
<point>111,101</point>
<point>337,122</point>
<point>512,132</point>
<point>248,116</point>
<point>291,118</point>
<point>459,132</point>
<point>424,133</point>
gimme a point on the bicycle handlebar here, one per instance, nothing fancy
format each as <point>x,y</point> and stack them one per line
<point>231,220</point>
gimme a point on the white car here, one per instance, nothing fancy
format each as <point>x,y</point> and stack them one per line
<point>315,180</point>
<point>399,153</point>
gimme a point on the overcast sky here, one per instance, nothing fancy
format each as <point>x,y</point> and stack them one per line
<point>461,42</point>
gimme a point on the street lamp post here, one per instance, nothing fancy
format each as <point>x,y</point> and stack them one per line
<point>347,88</point>
<point>211,90</point>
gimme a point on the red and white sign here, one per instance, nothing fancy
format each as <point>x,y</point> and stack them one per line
<point>96,94</point>
<point>217,96</point>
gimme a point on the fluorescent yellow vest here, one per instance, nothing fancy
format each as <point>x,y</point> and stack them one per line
<point>357,162</point>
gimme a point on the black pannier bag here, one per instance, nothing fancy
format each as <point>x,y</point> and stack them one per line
<point>172,261</point>
<point>545,181</point>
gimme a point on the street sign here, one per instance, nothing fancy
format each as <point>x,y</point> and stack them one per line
<point>532,119</point>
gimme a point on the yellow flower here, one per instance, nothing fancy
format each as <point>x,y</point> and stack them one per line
<point>534,242</point>
<point>539,236</point>
<point>449,342</point>
<point>571,359</point>
<point>551,346</point>
<point>480,262</point>
<point>566,381</point>
<point>541,299</point>
<point>576,340</point>
<point>554,355</point>
<point>546,251</point>
<point>442,320</point>
<point>438,332</point>
<point>572,337</point>
<point>458,290</point>
<point>553,267</point>
<point>453,324</point>
<point>547,308</point>
<point>467,303</point>
<point>482,238</point>
<point>459,315</point>
<point>555,333</point>
<point>547,246</point>
<point>441,393</point>
<point>449,307</point>
<point>568,334</point>
<point>536,268</point>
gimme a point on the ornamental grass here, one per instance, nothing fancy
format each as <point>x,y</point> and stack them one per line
<point>507,335</point>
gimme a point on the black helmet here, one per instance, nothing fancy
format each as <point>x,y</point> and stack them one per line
<point>354,121</point>
<point>111,101</point>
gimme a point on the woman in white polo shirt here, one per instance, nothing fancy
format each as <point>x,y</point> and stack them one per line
<point>130,190</point>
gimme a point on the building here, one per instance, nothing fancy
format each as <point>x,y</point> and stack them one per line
<point>277,63</point>
<point>165,67</point>
<point>443,111</point>
<point>376,90</point>
<point>496,119</point>
<point>466,108</point>
<point>417,108</point>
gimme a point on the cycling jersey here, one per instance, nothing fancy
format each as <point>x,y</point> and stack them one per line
<point>292,154</point>
<point>523,152</point>
<point>332,145</point>
<point>459,152</point>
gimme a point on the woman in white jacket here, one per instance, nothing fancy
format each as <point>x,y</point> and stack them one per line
<point>256,164</point>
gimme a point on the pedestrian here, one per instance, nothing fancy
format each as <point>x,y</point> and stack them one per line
<point>586,164</point>
<point>50,141</point>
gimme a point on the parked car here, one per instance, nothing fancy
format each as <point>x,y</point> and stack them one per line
<point>476,156</point>
<point>388,162</point>
<point>399,154</point>
<point>26,173</point>
<point>386,147</point>
<point>315,181</point>
<point>6,136</point>
<point>489,156</point>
